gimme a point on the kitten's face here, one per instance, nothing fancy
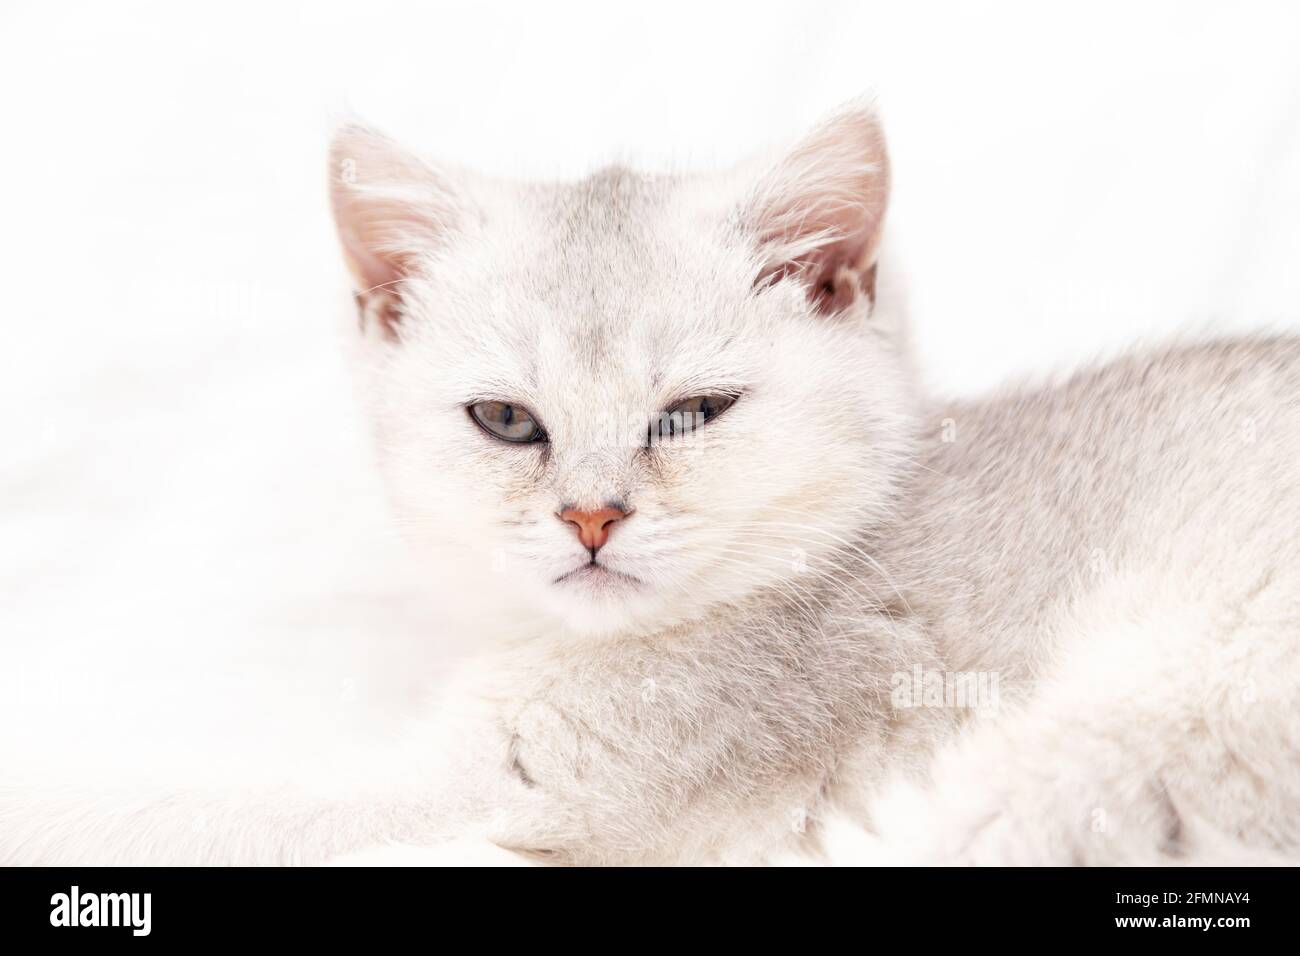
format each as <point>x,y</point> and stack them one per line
<point>519,387</point>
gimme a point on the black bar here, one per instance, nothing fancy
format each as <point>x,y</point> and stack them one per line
<point>334,906</point>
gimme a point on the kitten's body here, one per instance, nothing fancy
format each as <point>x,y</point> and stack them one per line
<point>1123,550</point>
<point>1120,551</point>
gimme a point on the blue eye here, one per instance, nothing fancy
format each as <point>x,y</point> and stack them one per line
<point>512,423</point>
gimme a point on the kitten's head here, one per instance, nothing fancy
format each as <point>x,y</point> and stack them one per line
<point>630,398</point>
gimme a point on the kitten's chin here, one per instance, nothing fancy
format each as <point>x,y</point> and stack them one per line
<point>591,620</point>
<point>595,602</point>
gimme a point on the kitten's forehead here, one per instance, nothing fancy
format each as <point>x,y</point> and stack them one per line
<point>627,270</point>
<point>600,251</point>
<point>613,289</point>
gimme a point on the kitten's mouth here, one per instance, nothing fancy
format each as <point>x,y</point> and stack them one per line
<point>597,574</point>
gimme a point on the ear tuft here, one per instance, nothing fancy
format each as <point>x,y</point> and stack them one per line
<point>817,213</point>
<point>390,209</point>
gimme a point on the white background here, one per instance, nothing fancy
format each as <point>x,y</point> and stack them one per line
<point>195,566</point>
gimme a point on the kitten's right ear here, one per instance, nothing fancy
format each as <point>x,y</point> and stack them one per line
<point>391,209</point>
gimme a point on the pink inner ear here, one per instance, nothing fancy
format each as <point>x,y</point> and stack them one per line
<point>818,213</point>
<point>370,232</point>
<point>371,269</point>
<point>377,268</point>
<point>833,283</point>
<point>382,308</point>
<point>390,209</point>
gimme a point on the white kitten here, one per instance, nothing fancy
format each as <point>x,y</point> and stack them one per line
<point>668,427</point>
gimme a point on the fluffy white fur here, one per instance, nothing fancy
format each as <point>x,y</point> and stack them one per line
<point>1119,549</point>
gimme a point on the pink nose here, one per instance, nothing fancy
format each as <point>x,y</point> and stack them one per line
<point>593,526</point>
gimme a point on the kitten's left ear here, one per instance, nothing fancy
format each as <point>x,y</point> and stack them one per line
<point>818,212</point>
